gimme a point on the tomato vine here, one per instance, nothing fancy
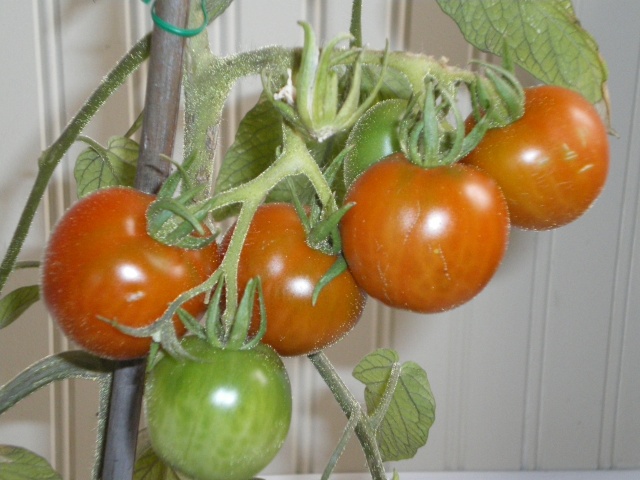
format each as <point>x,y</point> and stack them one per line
<point>354,201</point>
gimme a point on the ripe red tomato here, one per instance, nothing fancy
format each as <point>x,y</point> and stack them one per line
<point>426,240</point>
<point>552,163</point>
<point>222,417</point>
<point>100,262</point>
<point>275,249</point>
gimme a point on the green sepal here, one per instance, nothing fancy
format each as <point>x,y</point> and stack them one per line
<point>191,323</point>
<point>326,233</point>
<point>172,221</point>
<point>214,328</point>
<point>239,334</point>
<point>337,269</point>
<point>298,206</point>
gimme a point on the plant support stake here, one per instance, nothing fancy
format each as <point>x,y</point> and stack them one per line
<point>157,138</point>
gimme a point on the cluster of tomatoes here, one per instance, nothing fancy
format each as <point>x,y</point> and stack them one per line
<point>430,239</point>
<point>422,239</point>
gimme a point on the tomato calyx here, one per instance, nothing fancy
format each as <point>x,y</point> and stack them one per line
<point>500,101</point>
<point>238,336</point>
<point>432,131</point>
<point>313,99</point>
<point>427,136</point>
<point>179,221</point>
<point>323,234</point>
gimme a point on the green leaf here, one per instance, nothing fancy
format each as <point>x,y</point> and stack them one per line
<point>395,84</point>
<point>16,303</point>
<point>17,463</point>
<point>254,149</point>
<point>99,167</point>
<point>215,8</point>
<point>411,411</point>
<point>70,364</point>
<point>542,36</point>
<point>148,465</point>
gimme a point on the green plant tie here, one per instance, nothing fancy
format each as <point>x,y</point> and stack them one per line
<point>181,32</point>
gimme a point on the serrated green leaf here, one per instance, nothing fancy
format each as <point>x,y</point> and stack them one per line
<point>253,150</point>
<point>16,303</point>
<point>395,83</point>
<point>99,167</point>
<point>542,36</point>
<point>17,463</point>
<point>406,423</point>
<point>148,465</point>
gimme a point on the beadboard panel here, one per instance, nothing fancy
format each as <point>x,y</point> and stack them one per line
<point>538,372</point>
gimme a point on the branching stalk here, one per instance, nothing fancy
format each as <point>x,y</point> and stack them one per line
<point>364,429</point>
<point>295,159</point>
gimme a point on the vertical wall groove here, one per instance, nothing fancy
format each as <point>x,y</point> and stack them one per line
<point>621,308</point>
<point>539,300</point>
<point>52,116</point>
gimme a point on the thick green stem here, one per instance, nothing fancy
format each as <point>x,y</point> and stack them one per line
<point>417,66</point>
<point>364,429</point>
<point>356,23</point>
<point>295,159</point>
<point>51,157</point>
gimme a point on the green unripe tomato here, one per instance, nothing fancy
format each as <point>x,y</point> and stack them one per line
<point>224,417</point>
<point>373,137</point>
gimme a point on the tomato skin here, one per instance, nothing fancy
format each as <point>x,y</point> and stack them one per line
<point>373,137</point>
<point>552,163</point>
<point>275,249</point>
<point>100,262</point>
<point>223,417</point>
<point>425,240</point>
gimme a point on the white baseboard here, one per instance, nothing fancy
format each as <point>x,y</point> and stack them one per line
<point>520,475</point>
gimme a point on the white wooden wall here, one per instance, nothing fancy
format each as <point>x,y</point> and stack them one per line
<point>539,372</point>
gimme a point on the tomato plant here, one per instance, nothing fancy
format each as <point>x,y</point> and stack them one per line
<point>100,264</point>
<point>425,235</point>
<point>552,163</point>
<point>275,249</point>
<point>223,415</point>
<point>424,239</point>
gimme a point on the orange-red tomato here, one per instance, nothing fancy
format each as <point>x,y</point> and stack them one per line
<point>275,249</point>
<point>552,163</point>
<point>425,240</point>
<point>101,263</point>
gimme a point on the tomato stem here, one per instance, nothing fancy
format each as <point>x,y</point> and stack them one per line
<point>365,427</point>
<point>356,24</point>
<point>342,444</point>
<point>295,159</point>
